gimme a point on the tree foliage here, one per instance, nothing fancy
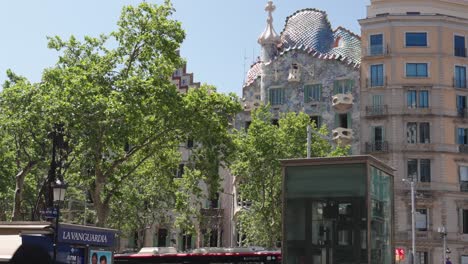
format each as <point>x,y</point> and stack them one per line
<point>122,118</point>
<point>258,171</point>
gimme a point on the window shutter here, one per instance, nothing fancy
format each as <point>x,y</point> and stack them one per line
<point>320,93</point>
<point>350,85</point>
<point>336,87</point>
<point>306,94</point>
<point>337,120</point>
<point>350,119</point>
<point>373,133</point>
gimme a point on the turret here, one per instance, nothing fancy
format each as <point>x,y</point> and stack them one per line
<point>269,41</point>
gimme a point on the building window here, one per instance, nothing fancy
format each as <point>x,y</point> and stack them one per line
<point>465,221</point>
<point>464,259</point>
<point>376,44</point>
<point>416,39</point>
<point>377,75</point>
<point>247,125</point>
<point>422,257</point>
<point>343,120</point>
<point>421,219</point>
<point>189,143</point>
<point>316,120</point>
<point>459,45</point>
<point>463,178</point>
<point>460,77</point>
<point>343,86</point>
<point>462,134</point>
<point>180,171</point>
<point>417,99</point>
<point>416,70</point>
<point>378,137</point>
<point>419,170</point>
<point>276,96</point>
<point>214,203</point>
<point>412,135</point>
<point>312,93</point>
<point>461,105</point>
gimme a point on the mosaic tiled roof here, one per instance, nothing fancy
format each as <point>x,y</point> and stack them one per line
<point>310,30</point>
<point>254,72</point>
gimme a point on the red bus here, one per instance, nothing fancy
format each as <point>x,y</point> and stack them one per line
<point>222,256</point>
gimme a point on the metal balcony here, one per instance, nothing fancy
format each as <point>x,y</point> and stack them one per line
<point>377,147</point>
<point>463,148</point>
<point>376,110</point>
<point>463,186</point>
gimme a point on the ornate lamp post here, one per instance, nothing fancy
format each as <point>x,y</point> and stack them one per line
<point>59,189</point>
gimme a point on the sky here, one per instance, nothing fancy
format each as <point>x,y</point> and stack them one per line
<point>221,35</point>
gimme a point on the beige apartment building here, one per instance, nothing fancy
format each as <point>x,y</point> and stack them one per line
<point>414,116</point>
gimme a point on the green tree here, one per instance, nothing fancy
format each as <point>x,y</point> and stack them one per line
<point>115,100</point>
<point>258,171</point>
<point>24,141</point>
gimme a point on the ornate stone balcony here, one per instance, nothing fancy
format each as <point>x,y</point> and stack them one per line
<point>342,102</point>
<point>342,136</point>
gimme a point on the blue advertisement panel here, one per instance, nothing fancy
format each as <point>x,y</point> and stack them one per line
<point>100,257</point>
<point>65,253</point>
<point>85,236</point>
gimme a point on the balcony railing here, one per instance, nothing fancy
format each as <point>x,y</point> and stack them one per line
<point>376,110</point>
<point>211,212</point>
<point>463,186</point>
<point>462,112</point>
<point>377,50</point>
<point>377,146</point>
<point>376,82</point>
<point>460,52</point>
<point>463,148</point>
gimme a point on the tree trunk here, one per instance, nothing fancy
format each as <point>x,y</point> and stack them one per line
<point>19,182</point>
<point>102,208</point>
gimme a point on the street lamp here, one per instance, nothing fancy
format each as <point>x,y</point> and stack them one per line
<point>59,189</point>
<point>413,226</point>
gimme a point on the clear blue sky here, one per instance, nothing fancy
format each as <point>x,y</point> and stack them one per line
<point>221,34</point>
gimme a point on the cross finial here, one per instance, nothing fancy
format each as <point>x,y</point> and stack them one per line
<point>269,35</point>
<point>270,8</point>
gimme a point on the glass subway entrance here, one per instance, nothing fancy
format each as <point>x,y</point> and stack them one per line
<point>340,214</point>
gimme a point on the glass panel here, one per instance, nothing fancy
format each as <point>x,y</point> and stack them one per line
<point>463,173</point>
<point>461,135</point>
<point>412,169</point>
<point>464,260</point>
<point>376,44</point>
<point>377,76</point>
<point>421,219</point>
<point>411,133</point>
<point>411,70</point>
<point>460,76</point>
<point>424,133</point>
<point>416,70</point>
<point>416,39</point>
<point>295,220</point>
<point>425,170</point>
<point>421,69</point>
<point>423,99</point>
<point>411,99</point>
<point>381,217</point>
<point>459,42</point>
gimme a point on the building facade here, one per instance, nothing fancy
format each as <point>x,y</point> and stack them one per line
<point>413,116</point>
<point>309,67</point>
